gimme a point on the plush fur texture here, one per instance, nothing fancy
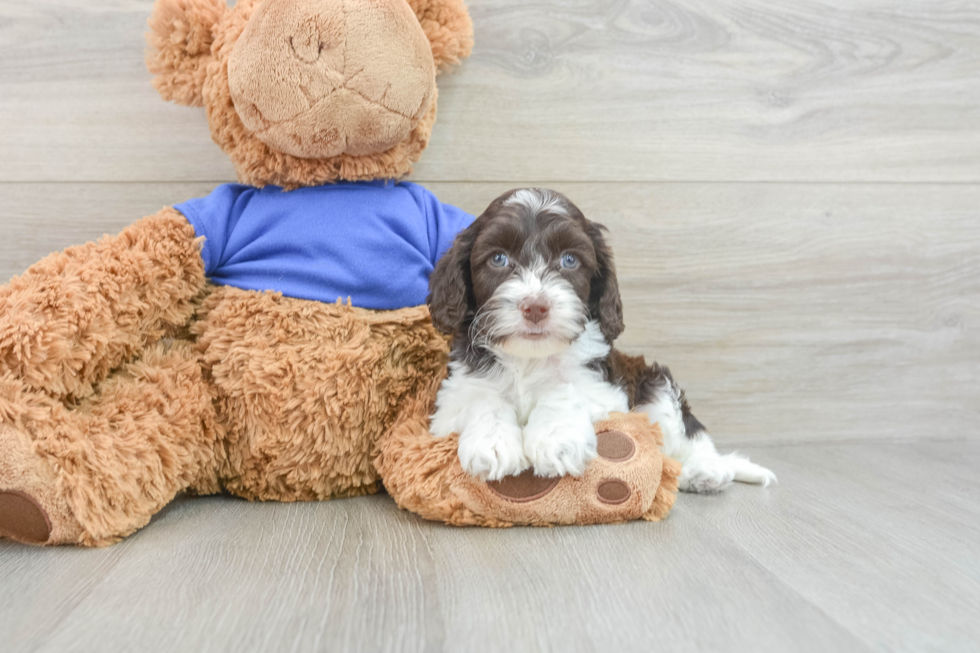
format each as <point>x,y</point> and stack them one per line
<point>193,42</point>
<point>78,314</point>
<point>306,389</point>
<point>448,27</point>
<point>333,86</point>
<point>529,412</point>
<point>179,47</point>
<point>23,416</point>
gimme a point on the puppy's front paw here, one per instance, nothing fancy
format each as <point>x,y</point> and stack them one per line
<point>492,450</point>
<point>559,448</point>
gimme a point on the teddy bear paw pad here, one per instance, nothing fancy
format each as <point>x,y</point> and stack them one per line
<point>524,487</point>
<point>613,491</point>
<point>22,518</point>
<point>615,446</point>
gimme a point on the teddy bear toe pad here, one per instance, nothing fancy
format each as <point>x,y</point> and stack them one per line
<point>22,518</point>
<point>613,492</point>
<point>524,487</point>
<point>615,446</point>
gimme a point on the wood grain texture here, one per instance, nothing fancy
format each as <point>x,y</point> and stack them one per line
<point>788,311</point>
<point>843,555</point>
<point>559,90</point>
<point>871,534</point>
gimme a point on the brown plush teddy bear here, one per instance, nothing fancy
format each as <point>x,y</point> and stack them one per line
<point>205,349</point>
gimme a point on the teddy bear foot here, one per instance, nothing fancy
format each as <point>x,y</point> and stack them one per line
<point>629,479</point>
<point>32,510</point>
<point>611,490</point>
<point>22,518</point>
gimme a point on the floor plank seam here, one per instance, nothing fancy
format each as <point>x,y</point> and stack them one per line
<point>762,444</point>
<point>539,182</point>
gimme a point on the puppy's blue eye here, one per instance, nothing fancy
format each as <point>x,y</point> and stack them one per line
<point>569,262</point>
<point>499,260</point>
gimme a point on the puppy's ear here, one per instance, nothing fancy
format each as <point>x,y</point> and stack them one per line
<point>179,47</point>
<point>450,297</point>
<point>605,303</point>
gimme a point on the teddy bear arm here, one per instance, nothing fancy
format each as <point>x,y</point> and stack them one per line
<point>76,315</point>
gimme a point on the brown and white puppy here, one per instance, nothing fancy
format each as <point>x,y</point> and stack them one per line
<point>529,293</point>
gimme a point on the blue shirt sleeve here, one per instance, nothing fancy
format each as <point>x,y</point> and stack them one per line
<point>444,222</point>
<point>214,217</point>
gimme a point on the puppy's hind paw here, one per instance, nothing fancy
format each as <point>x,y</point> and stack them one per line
<point>706,474</point>
<point>714,473</point>
<point>747,471</point>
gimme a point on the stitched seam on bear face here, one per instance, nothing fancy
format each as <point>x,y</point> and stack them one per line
<point>343,73</point>
<point>273,123</point>
<point>379,105</point>
<point>343,69</point>
<point>311,103</point>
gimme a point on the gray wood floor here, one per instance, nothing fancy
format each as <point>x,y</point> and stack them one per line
<point>862,546</point>
<point>793,191</point>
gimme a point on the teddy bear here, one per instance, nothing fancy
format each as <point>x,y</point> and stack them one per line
<point>271,340</point>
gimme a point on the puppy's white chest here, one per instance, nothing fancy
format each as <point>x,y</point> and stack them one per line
<point>529,381</point>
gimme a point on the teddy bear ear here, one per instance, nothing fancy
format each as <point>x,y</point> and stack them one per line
<point>179,47</point>
<point>448,26</point>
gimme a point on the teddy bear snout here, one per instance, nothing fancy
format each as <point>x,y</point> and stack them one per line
<point>332,87</point>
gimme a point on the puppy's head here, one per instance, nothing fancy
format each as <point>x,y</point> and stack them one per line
<point>526,277</point>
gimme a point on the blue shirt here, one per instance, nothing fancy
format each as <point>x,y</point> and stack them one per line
<point>375,242</point>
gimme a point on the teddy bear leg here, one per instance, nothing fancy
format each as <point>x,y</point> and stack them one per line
<point>630,479</point>
<point>94,473</point>
<point>76,315</point>
<point>32,510</point>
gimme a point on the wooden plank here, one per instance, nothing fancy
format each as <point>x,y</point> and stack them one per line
<point>43,587</point>
<point>881,537</point>
<point>789,312</point>
<point>42,218</point>
<point>358,575</point>
<point>618,90</point>
<point>77,103</point>
<point>860,547</point>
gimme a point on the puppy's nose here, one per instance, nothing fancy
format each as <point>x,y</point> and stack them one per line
<point>535,309</point>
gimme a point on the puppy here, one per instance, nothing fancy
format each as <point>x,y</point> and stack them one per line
<point>529,293</point>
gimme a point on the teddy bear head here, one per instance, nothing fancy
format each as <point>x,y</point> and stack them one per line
<point>306,92</point>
